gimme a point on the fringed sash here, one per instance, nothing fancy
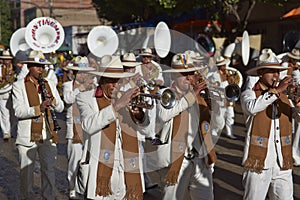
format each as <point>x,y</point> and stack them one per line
<point>261,131</point>
<point>106,160</point>
<point>37,122</point>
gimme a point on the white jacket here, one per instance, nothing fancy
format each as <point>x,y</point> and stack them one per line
<point>25,113</point>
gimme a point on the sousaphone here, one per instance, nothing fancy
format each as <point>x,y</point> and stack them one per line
<point>44,34</point>
<point>102,40</point>
<point>162,39</point>
<point>18,42</point>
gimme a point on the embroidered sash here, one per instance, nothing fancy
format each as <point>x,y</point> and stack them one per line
<point>37,122</point>
<point>261,131</point>
<point>130,151</point>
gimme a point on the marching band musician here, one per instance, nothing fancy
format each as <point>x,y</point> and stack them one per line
<point>191,155</point>
<point>292,60</point>
<point>35,127</point>
<point>71,88</point>
<point>113,159</point>
<point>7,77</point>
<point>225,114</point>
<point>268,158</point>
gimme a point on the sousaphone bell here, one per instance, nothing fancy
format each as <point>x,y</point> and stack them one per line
<point>44,34</point>
<point>102,40</point>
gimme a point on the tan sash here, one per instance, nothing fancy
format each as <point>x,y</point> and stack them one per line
<point>130,155</point>
<point>180,130</point>
<point>37,122</point>
<point>205,130</point>
<point>261,131</point>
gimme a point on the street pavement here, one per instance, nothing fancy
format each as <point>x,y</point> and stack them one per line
<point>227,173</point>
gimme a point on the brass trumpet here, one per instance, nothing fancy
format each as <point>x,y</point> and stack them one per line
<point>167,100</point>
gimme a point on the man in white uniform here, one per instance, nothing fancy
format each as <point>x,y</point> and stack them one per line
<point>268,158</point>
<point>190,169</point>
<point>33,99</point>
<point>113,151</point>
<point>7,77</point>
<point>74,136</point>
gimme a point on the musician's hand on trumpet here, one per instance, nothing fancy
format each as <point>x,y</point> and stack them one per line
<point>283,84</point>
<point>125,97</point>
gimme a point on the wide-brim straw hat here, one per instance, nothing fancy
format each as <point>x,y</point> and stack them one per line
<point>111,67</point>
<point>295,54</point>
<point>146,52</point>
<point>37,57</point>
<point>267,60</point>
<point>80,64</point>
<point>6,55</point>
<point>182,63</point>
<point>220,61</point>
<point>129,60</point>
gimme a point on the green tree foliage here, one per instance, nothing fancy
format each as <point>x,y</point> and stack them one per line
<point>120,11</point>
<point>6,22</point>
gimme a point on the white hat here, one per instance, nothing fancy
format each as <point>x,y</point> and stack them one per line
<point>146,52</point>
<point>129,60</point>
<point>182,63</point>
<point>80,64</point>
<point>111,67</point>
<point>37,57</point>
<point>6,55</point>
<point>220,61</point>
<point>194,55</point>
<point>268,60</point>
<point>295,54</point>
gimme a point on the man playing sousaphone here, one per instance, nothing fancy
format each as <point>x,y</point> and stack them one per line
<point>7,77</point>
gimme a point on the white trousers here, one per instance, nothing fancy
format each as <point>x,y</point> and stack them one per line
<point>275,182</point>
<point>5,109</point>
<point>74,152</point>
<point>296,150</point>
<point>194,182</point>
<point>27,157</point>
<point>224,117</point>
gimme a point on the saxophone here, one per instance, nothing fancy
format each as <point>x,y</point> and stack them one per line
<point>44,94</point>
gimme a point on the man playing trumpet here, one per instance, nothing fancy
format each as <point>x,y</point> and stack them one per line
<point>268,158</point>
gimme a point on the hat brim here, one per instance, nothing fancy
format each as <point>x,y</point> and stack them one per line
<point>112,75</point>
<point>34,62</point>
<point>131,64</point>
<point>293,56</point>
<point>224,62</point>
<point>81,68</point>
<point>146,54</point>
<point>6,57</point>
<point>182,70</point>
<point>253,71</point>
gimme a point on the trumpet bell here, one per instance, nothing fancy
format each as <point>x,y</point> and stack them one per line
<point>168,99</point>
<point>232,92</point>
<point>44,34</point>
<point>162,39</point>
<point>102,40</point>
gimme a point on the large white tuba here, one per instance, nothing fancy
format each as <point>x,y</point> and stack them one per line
<point>162,39</point>
<point>44,34</point>
<point>102,40</point>
<point>18,42</point>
